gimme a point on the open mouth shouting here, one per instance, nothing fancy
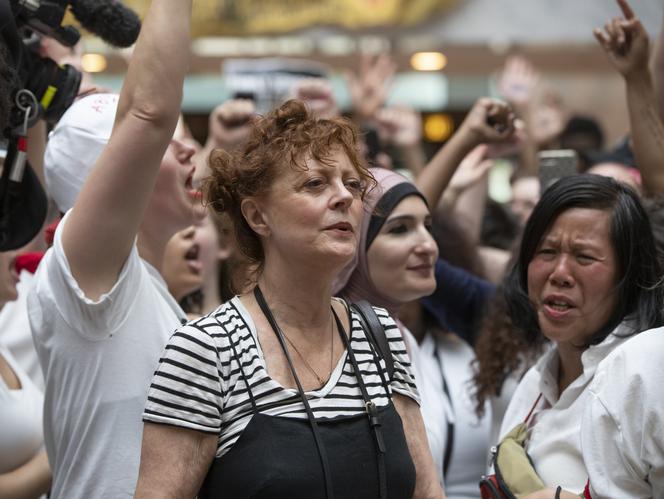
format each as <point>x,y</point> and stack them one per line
<point>557,306</point>
<point>193,261</point>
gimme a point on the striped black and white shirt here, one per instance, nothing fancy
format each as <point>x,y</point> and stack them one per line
<point>199,383</point>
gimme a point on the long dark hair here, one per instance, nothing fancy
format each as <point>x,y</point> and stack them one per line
<point>639,288</point>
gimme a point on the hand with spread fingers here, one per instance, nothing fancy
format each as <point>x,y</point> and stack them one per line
<point>472,169</point>
<point>369,88</point>
<point>518,80</point>
<point>625,42</point>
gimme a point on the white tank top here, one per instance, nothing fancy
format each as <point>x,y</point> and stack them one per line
<point>21,435</point>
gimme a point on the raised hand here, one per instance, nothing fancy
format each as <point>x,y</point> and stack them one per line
<point>625,42</point>
<point>369,88</point>
<point>229,123</point>
<point>471,170</point>
<point>399,125</point>
<point>548,119</point>
<point>317,94</point>
<point>518,81</point>
<point>490,120</point>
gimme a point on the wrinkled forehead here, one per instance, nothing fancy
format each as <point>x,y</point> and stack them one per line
<point>582,226</point>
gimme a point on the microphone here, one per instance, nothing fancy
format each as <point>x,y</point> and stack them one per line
<point>111,21</point>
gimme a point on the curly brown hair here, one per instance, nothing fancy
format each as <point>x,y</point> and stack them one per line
<point>501,349</point>
<point>285,138</point>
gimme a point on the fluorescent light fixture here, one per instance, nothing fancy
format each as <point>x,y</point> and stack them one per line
<point>337,45</point>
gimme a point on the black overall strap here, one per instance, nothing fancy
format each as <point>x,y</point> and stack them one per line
<point>372,331</point>
<point>260,299</point>
<point>449,442</point>
<point>372,412</point>
<point>375,332</point>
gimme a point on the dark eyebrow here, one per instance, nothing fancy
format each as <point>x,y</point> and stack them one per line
<point>581,246</point>
<point>408,218</point>
<point>577,245</point>
<point>400,218</point>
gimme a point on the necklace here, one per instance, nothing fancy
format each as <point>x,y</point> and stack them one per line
<point>321,381</point>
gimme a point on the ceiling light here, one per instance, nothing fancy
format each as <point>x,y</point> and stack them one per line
<point>428,61</point>
<point>438,127</point>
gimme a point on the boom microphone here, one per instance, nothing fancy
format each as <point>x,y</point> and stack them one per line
<point>111,21</point>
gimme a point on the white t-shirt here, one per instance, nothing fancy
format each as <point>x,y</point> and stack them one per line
<point>554,443</point>
<point>470,444</point>
<point>98,358</point>
<point>15,331</point>
<point>622,429</point>
<point>21,435</point>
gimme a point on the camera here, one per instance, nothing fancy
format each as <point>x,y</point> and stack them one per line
<point>35,87</point>
<point>53,86</point>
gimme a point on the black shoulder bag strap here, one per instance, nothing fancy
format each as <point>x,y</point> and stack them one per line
<point>372,412</point>
<point>376,336</point>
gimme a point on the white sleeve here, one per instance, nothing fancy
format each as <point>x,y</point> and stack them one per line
<point>93,319</point>
<point>613,428</point>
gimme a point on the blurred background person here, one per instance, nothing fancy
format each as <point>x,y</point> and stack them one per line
<point>24,469</point>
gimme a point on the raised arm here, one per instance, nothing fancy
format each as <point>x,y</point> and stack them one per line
<point>489,120</point>
<point>102,227</point>
<point>625,42</point>
<point>518,82</point>
<point>657,66</point>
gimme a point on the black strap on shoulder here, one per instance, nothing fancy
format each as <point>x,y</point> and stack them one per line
<point>372,412</point>
<point>373,326</point>
<point>322,453</point>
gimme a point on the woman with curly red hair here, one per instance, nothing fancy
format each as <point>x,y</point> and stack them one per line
<point>268,396</point>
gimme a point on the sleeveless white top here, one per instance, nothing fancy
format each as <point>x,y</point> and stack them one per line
<point>21,435</point>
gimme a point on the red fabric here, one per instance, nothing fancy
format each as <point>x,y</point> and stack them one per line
<point>49,232</point>
<point>28,261</point>
<point>586,491</point>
